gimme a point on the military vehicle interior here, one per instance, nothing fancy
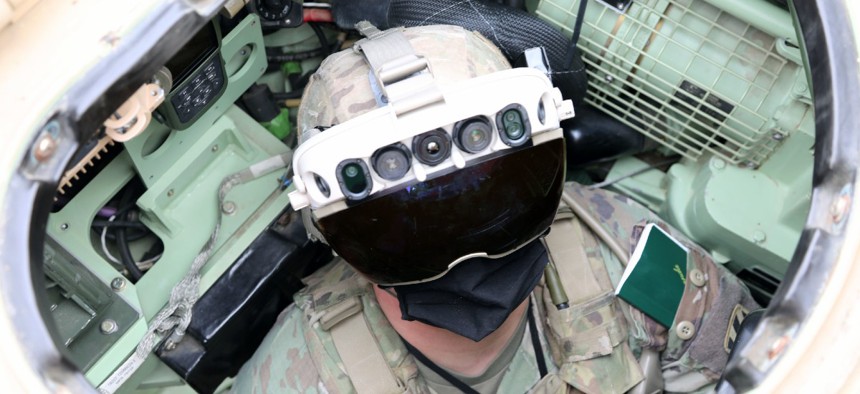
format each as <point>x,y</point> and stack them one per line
<point>702,110</point>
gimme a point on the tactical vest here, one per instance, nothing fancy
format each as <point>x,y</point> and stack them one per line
<point>587,340</point>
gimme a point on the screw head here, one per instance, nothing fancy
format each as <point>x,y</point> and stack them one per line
<point>117,284</point>
<point>64,226</point>
<point>759,236</point>
<point>229,207</point>
<point>45,147</point>
<point>609,78</point>
<point>108,326</point>
<point>169,345</point>
<point>170,193</point>
<point>778,347</point>
<point>839,207</point>
<point>214,148</point>
<point>777,136</point>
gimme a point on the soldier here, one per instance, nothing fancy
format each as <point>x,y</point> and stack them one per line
<point>448,279</point>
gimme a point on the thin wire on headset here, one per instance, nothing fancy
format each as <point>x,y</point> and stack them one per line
<point>577,28</point>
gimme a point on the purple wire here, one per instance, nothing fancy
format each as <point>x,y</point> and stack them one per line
<point>107,212</point>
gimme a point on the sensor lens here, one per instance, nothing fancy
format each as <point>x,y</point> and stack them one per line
<point>513,125</point>
<point>474,135</point>
<point>432,147</point>
<point>391,162</point>
<point>322,185</point>
<point>354,179</point>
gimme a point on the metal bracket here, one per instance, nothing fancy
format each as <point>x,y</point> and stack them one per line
<point>132,117</point>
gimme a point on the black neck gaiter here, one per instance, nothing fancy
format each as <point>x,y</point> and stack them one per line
<point>475,297</point>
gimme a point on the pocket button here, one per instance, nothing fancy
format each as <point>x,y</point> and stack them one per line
<point>685,330</point>
<point>697,277</point>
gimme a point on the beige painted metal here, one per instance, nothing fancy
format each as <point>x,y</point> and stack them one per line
<point>43,51</point>
<point>825,357</point>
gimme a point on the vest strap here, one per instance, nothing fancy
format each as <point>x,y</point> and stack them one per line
<point>358,348</point>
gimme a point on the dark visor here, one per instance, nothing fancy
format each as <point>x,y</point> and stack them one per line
<point>414,233</point>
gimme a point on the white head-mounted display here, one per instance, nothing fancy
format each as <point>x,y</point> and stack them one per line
<point>381,150</point>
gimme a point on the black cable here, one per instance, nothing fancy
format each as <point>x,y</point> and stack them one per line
<point>131,235</point>
<point>281,96</point>
<point>320,36</point>
<point>536,343</point>
<point>296,56</point>
<point>439,371</point>
<point>117,223</point>
<point>577,28</point>
<point>122,241</point>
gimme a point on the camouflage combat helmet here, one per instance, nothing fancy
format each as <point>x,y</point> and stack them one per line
<point>341,89</point>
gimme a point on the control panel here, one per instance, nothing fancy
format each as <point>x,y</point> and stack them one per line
<point>199,79</point>
<point>196,95</point>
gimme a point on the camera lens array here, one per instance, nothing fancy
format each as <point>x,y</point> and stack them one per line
<point>473,135</point>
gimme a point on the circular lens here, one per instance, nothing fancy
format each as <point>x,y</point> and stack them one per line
<point>354,179</point>
<point>391,162</point>
<point>322,185</point>
<point>351,170</point>
<point>513,124</point>
<point>514,130</point>
<point>432,147</point>
<point>474,135</point>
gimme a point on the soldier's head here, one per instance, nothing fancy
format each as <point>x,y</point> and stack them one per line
<point>421,151</point>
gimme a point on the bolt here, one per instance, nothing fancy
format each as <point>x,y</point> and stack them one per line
<point>64,226</point>
<point>214,148</point>
<point>45,147</point>
<point>117,284</point>
<point>778,136</point>
<point>108,326</point>
<point>170,193</point>
<point>169,345</point>
<point>229,207</point>
<point>718,163</point>
<point>243,52</point>
<point>778,346</point>
<point>759,236</point>
<point>608,78</point>
<point>840,207</point>
<point>750,164</point>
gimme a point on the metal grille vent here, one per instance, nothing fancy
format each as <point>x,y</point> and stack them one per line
<point>685,73</point>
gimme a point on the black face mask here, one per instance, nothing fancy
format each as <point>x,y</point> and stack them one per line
<point>475,297</point>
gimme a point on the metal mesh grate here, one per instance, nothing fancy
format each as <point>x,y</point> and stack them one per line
<point>684,73</point>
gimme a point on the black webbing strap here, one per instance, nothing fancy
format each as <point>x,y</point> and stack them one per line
<point>465,388</point>
<point>536,343</point>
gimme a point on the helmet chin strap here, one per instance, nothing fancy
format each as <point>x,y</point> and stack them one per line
<point>313,232</point>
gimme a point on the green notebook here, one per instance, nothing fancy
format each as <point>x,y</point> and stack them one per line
<point>655,276</point>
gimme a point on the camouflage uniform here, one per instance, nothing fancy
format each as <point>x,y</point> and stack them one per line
<point>592,347</point>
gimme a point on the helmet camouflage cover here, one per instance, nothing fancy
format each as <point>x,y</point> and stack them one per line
<point>341,89</point>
